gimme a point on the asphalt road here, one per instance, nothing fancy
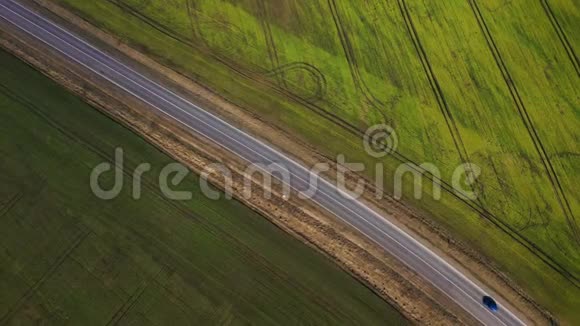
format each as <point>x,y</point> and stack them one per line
<point>465,292</point>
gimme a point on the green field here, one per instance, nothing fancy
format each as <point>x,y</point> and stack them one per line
<point>67,257</point>
<point>489,82</point>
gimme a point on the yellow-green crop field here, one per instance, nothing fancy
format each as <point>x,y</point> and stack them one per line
<point>490,82</point>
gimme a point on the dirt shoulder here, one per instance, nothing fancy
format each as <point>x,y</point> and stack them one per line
<point>362,258</point>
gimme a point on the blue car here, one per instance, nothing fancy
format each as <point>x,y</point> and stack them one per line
<point>489,303</point>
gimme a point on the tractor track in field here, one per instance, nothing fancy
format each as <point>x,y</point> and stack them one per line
<point>438,93</point>
<point>350,128</point>
<point>270,43</point>
<point>350,56</point>
<point>134,298</point>
<point>508,229</point>
<point>317,75</point>
<point>33,289</point>
<point>255,76</point>
<point>234,33</point>
<point>278,70</point>
<point>561,35</point>
<point>11,203</point>
<point>126,307</point>
<point>197,32</point>
<point>527,121</point>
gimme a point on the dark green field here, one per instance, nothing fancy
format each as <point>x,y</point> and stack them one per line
<point>67,257</point>
<point>490,82</point>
